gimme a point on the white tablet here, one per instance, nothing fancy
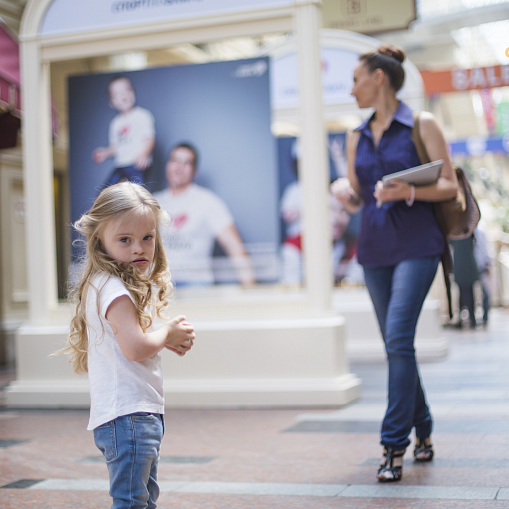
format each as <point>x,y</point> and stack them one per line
<point>418,175</point>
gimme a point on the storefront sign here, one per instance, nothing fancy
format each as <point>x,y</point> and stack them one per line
<point>337,66</point>
<point>465,79</point>
<point>71,16</point>
<point>477,146</point>
<point>502,117</point>
<point>337,72</point>
<point>368,16</point>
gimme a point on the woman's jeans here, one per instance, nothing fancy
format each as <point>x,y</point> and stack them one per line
<point>131,444</point>
<point>398,293</point>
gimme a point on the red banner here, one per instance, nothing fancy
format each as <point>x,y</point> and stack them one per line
<point>455,80</point>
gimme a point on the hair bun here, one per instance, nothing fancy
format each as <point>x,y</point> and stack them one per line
<point>393,52</point>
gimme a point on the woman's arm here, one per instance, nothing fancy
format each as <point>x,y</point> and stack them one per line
<point>445,188</point>
<point>433,138</point>
<point>347,190</point>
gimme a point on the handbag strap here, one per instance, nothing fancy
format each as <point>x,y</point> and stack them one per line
<point>446,258</point>
<point>416,137</point>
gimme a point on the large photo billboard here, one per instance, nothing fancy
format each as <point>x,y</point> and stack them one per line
<point>198,136</point>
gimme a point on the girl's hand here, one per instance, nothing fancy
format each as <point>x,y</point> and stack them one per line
<point>180,354</point>
<point>180,335</point>
<point>397,190</point>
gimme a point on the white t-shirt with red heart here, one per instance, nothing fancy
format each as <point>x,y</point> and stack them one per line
<point>198,216</point>
<point>129,133</point>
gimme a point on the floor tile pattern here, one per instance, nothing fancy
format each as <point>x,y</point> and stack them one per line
<point>304,459</point>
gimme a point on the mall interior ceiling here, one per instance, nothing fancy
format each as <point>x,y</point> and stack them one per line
<point>447,33</point>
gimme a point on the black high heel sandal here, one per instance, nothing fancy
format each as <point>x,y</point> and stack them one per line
<point>388,471</point>
<point>423,452</point>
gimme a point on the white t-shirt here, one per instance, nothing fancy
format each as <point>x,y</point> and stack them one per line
<point>291,203</point>
<point>118,386</point>
<point>198,216</point>
<point>129,133</point>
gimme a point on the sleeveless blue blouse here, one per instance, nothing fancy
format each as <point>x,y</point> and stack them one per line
<point>394,232</point>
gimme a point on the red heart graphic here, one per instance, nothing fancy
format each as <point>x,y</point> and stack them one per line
<point>179,221</point>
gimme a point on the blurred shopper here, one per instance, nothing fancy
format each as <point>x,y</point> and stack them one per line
<point>291,248</point>
<point>465,276</point>
<point>291,209</point>
<point>484,259</point>
<point>400,242</point>
<point>198,218</point>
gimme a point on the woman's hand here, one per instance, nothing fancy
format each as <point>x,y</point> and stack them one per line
<point>345,194</point>
<point>396,191</point>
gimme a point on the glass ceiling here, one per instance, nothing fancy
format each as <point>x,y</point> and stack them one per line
<point>434,8</point>
<point>480,46</point>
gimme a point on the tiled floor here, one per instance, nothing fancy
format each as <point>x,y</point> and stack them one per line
<point>319,458</point>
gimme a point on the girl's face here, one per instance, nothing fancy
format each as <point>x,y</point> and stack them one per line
<point>365,85</point>
<point>131,240</point>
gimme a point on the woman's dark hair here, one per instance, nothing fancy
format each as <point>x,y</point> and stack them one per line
<point>388,59</point>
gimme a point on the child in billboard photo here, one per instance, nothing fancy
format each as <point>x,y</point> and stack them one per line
<point>131,135</point>
<point>125,279</point>
<point>199,218</point>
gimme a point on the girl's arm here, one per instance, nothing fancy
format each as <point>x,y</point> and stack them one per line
<point>137,345</point>
<point>445,188</point>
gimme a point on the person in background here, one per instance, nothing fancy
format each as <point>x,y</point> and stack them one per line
<point>131,135</point>
<point>400,242</point>
<point>465,276</point>
<point>198,218</point>
<point>290,209</point>
<point>484,260</point>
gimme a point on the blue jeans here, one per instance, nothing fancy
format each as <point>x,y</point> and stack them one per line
<point>130,173</point>
<point>398,294</point>
<point>131,444</point>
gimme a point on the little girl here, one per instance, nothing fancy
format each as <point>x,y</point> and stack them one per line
<point>111,338</point>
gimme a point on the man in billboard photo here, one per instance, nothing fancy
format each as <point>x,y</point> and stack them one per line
<point>131,135</point>
<point>198,219</point>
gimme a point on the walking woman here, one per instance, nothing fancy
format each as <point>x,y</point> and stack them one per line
<point>400,242</point>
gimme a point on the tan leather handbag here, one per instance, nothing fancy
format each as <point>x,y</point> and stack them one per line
<point>458,217</point>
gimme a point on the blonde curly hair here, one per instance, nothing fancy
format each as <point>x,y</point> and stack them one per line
<point>131,202</point>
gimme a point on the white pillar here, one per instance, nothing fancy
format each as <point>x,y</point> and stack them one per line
<point>313,166</point>
<point>38,183</point>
